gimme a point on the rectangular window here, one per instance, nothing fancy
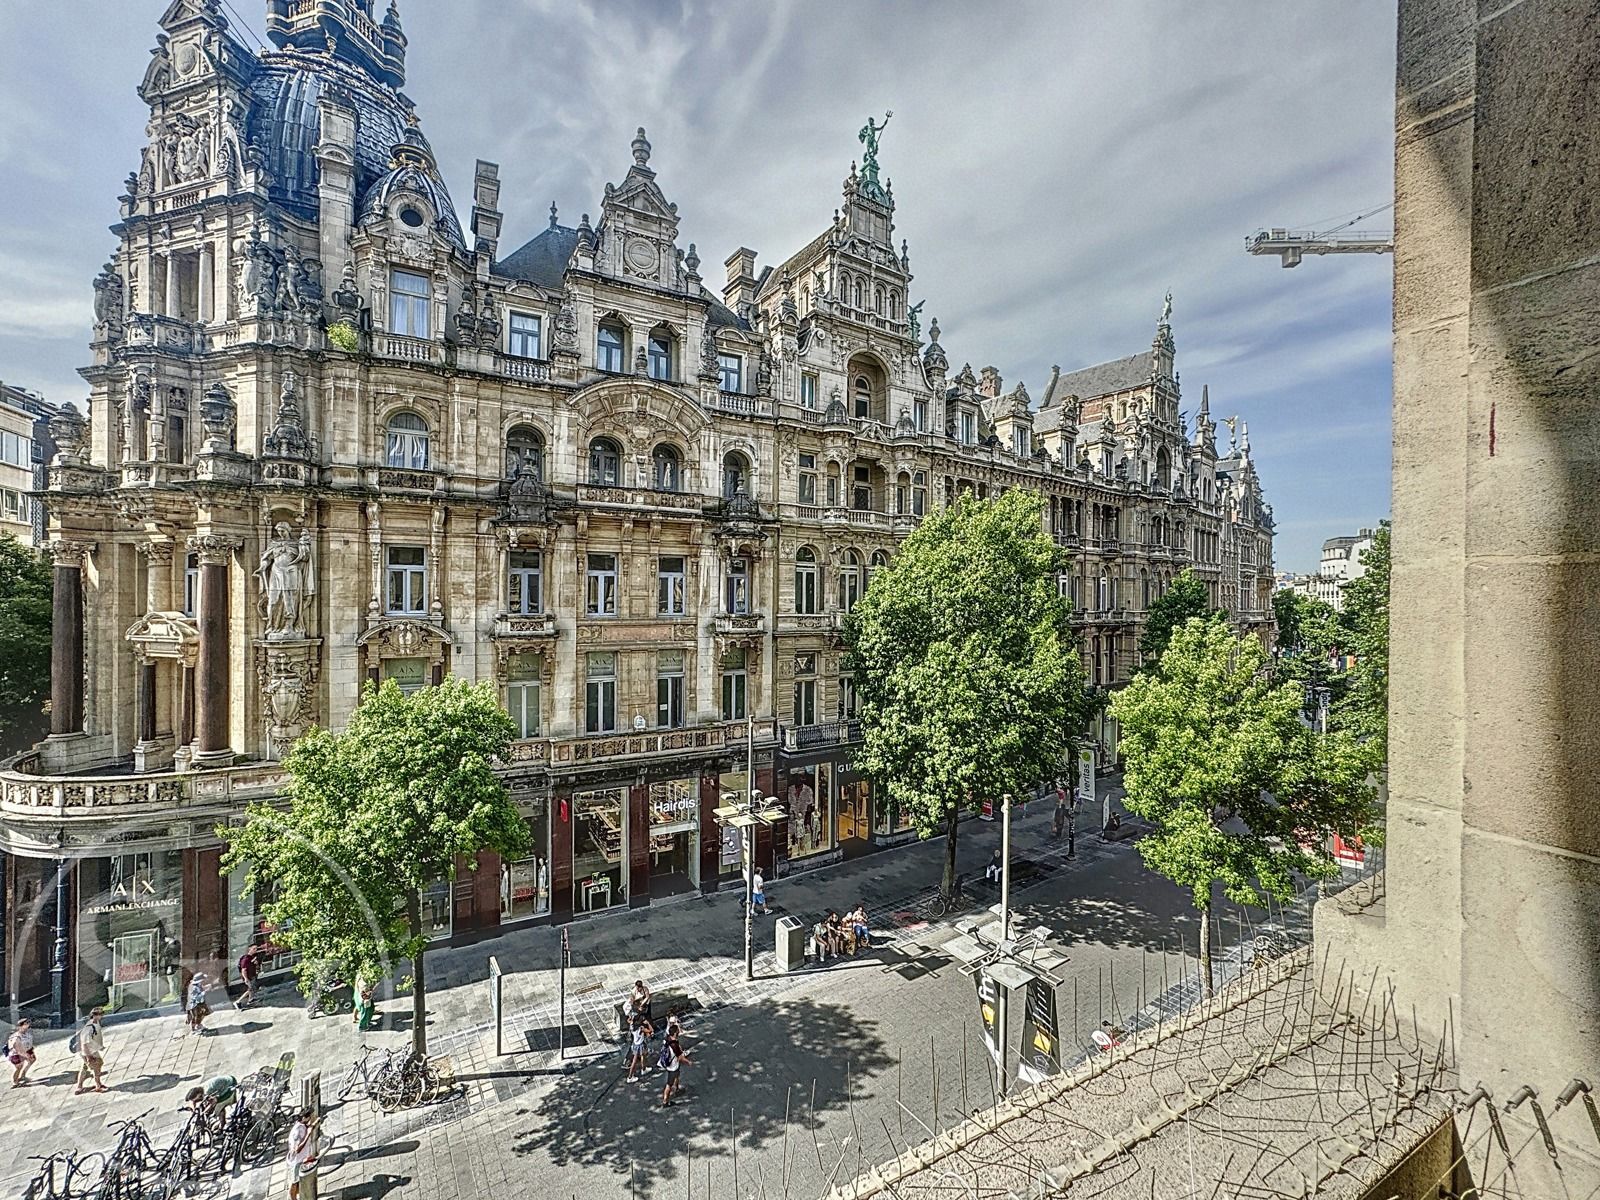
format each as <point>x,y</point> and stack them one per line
<point>808,390</point>
<point>15,449</point>
<point>669,689</point>
<point>805,588</point>
<point>409,298</point>
<point>833,491</point>
<point>919,494</point>
<point>734,684</point>
<point>738,590</point>
<point>526,592</point>
<point>407,580</point>
<point>805,689</point>
<point>808,479</point>
<point>527,336</point>
<point>919,415</point>
<point>12,502</point>
<point>1019,442</point>
<point>522,692</point>
<point>191,585</point>
<point>600,693</point>
<point>969,428</point>
<point>659,354</point>
<point>608,349</point>
<point>411,674</point>
<point>731,368</point>
<point>601,595</point>
<point>847,698</point>
<point>861,492</point>
<point>670,586</point>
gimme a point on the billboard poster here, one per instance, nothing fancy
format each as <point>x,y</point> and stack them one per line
<point>989,1010</point>
<point>1086,775</point>
<point>1041,1044</point>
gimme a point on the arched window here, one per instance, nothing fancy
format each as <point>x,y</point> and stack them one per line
<point>1104,596</point>
<point>863,396</point>
<point>894,305</point>
<point>605,462</point>
<point>660,354</point>
<point>525,453</point>
<point>902,494</point>
<point>608,348</point>
<point>1144,577</point>
<point>857,294</point>
<point>880,559</point>
<point>849,580</point>
<point>1163,470</point>
<point>735,475</point>
<point>737,591</point>
<point>666,468</point>
<point>407,442</point>
<point>805,580</point>
<point>877,300</point>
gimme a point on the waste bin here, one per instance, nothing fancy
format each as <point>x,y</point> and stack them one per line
<point>791,943</point>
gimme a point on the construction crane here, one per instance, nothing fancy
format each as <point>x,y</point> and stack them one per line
<point>1293,244</point>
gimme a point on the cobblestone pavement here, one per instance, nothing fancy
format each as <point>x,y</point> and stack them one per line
<point>797,1062</point>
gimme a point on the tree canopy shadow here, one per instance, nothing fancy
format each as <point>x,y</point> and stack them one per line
<point>752,1075</point>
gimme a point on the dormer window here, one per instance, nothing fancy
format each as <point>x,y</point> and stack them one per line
<point>968,426</point>
<point>526,336</point>
<point>409,294</point>
<point>730,369</point>
<point>608,348</point>
<point>1019,442</point>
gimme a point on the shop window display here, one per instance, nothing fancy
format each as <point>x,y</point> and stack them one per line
<point>436,909</point>
<point>887,816</point>
<point>248,927</point>
<point>525,884</point>
<point>675,833</point>
<point>598,834</point>
<point>130,916</point>
<point>733,786</point>
<point>805,793</point>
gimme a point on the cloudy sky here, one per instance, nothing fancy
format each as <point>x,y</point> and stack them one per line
<point>1057,167</point>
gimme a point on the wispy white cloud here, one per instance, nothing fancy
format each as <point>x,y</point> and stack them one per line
<point>1057,167</point>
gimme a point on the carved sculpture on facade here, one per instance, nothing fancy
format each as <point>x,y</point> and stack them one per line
<point>288,576</point>
<point>217,416</point>
<point>287,675</point>
<point>346,298</point>
<point>70,432</point>
<point>109,301</point>
<point>288,436</point>
<point>709,369</point>
<point>567,327</point>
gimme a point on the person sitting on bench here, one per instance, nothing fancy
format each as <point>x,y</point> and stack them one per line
<point>858,926</point>
<point>995,869</point>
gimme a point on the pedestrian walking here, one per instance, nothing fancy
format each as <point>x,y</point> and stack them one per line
<point>249,972</point>
<point>91,1047</point>
<point>758,893</point>
<point>362,1011</point>
<point>19,1051</point>
<point>196,1008</point>
<point>640,1032</point>
<point>672,1058</point>
<point>303,1147</point>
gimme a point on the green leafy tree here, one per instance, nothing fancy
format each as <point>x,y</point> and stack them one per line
<point>1185,597</point>
<point>1241,793</point>
<point>1318,636</point>
<point>25,616</point>
<point>376,814</point>
<point>1287,613</point>
<point>967,677</point>
<point>1364,623</point>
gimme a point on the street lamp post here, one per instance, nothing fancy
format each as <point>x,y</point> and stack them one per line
<point>744,816</point>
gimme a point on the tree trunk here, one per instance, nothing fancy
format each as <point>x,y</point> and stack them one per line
<point>1207,987</point>
<point>419,989</point>
<point>948,887</point>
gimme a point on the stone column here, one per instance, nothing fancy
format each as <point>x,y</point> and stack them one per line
<point>208,271</point>
<point>171,308</point>
<point>66,647</point>
<point>211,686</point>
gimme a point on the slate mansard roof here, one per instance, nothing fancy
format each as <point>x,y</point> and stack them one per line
<point>1106,378</point>
<point>286,125</point>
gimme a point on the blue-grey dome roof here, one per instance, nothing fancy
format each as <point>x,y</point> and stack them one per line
<point>418,180</point>
<point>286,124</point>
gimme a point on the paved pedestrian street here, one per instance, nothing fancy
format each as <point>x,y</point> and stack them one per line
<point>795,1082</point>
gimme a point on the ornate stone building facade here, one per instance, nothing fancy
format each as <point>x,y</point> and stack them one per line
<point>338,435</point>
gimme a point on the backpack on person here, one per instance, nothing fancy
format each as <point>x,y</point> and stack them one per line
<point>664,1059</point>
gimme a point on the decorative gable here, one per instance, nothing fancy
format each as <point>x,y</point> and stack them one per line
<point>638,232</point>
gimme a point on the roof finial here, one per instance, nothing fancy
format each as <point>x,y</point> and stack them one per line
<point>1205,402</point>
<point>552,214</point>
<point>641,149</point>
<point>868,137</point>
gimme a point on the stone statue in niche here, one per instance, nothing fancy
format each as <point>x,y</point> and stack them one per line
<point>288,577</point>
<point>567,327</point>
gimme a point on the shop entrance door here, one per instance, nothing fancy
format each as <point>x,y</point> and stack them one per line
<point>674,861</point>
<point>133,971</point>
<point>853,826</point>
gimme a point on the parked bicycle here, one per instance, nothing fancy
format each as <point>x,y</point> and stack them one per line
<point>134,1157</point>
<point>364,1073</point>
<point>941,905</point>
<point>405,1082</point>
<point>66,1177</point>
